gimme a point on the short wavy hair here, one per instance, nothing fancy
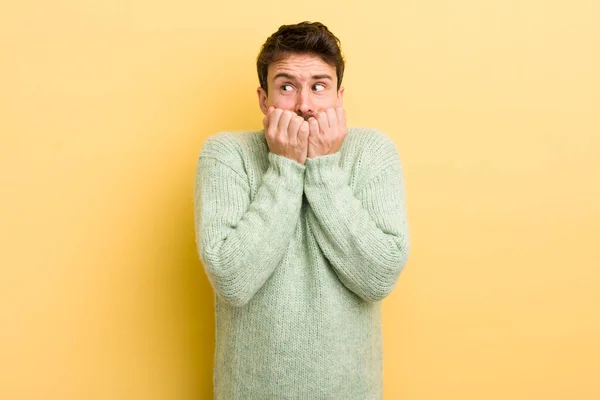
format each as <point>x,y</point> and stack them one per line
<point>302,38</point>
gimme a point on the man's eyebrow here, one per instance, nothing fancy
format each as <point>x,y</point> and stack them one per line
<point>284,75</point>
<point>292,77</point>
<point>324,76</point>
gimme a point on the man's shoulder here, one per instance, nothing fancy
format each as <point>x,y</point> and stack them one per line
<point>373,149</point>
<point>226,144</point>
<point>371,141</point>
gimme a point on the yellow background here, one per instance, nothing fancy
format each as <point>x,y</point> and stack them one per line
<point>494,106</point>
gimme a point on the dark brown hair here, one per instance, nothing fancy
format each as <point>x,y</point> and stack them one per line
<point>304,37</point>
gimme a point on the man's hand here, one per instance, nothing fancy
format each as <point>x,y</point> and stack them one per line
<point>286,134</point>
<point>327,132</point>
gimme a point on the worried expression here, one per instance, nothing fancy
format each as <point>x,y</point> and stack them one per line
<point>302,83</point>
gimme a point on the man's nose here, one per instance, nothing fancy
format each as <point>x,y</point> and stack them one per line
<point>304,103</point>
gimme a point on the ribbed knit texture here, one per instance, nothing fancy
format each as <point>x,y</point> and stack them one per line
<point>300,257</point>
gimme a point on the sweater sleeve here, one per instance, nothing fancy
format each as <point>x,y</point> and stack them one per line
<point>364,235</point>
<point>240,242</point>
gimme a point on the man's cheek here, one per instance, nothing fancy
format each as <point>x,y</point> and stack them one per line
<point>282,103</point>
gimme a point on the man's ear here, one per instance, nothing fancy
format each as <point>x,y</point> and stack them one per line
<point>262,100</point>
<point>340,97</point>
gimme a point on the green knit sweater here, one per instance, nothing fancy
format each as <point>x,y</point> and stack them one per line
<point>300,257</point>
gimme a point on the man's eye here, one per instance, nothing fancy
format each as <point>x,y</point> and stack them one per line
<point>318,87</point>
<point>289,87</point>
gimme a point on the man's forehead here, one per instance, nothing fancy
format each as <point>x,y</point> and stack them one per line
<point>301,66</point>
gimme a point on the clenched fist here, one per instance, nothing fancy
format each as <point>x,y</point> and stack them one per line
<point>286,134</point>
<point>327,132</point>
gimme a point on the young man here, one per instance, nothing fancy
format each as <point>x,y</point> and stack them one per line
<point>302,231</point>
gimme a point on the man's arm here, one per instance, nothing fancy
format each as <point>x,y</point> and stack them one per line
<point>241,242</point>
<point>364,235</point>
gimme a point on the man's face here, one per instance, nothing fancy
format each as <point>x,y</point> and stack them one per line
<point>302,83</point>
